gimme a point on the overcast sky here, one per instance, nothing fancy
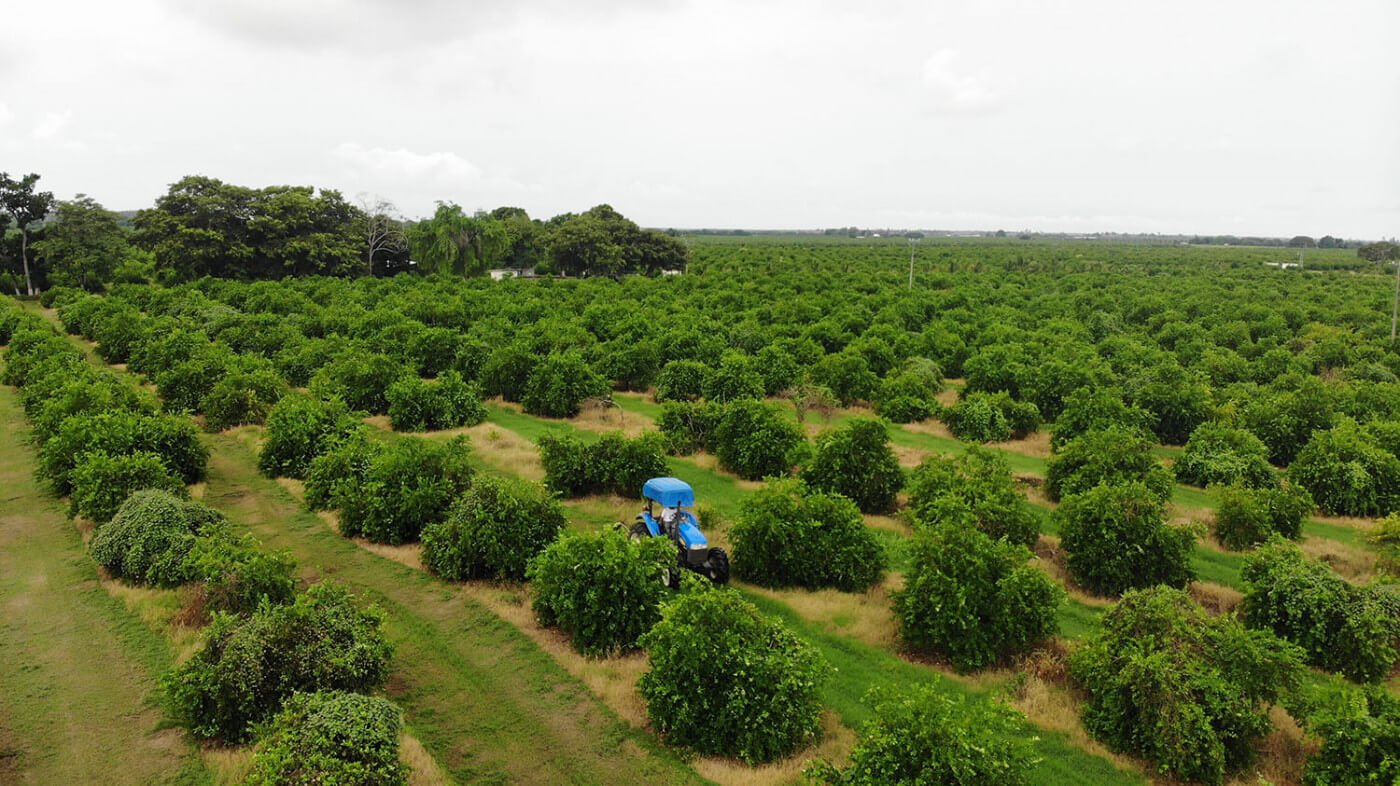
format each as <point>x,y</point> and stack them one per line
<point>1229,116</point>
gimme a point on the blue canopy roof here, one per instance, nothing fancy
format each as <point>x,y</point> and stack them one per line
<point>671,492</point>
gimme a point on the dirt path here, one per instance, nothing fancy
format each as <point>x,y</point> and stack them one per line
<point>77,670</point>
<point>489,704</point>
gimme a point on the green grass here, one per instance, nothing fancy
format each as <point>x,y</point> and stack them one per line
<point>78,676</point>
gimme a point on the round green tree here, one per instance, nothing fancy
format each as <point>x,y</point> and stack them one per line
<point>1116,538</point>
<point>496,528</point>
<point>787,536</point>
<point>856,461</point>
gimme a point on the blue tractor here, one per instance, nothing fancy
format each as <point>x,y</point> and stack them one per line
<point>666,515</point>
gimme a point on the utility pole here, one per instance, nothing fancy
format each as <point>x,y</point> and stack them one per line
<point>912,241</point>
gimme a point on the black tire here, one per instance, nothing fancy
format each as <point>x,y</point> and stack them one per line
<point>717,566</point>
<point>638,531</point>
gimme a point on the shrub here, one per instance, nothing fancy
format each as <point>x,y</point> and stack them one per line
<point>725,681</point>
<point>736,377</point>
<point>754,440</point>
<point>248,666</point>
<point>972,599</point>
<point>151,536</point>
<point>493,530</point>
<point>974,489</point>
<point>1112,456</point>
<point>601,588</point>
<point>1186,690</point>
<point>407,485</point>
<point>681,380</point>
<point>1385,536</point>
<point>612,464</point>
<point>359,379</point>
<point>848,376</point>
<point>931,738</point>
<point>102,482</point>
<point>856,461</point>
<point>1218,454</point>
<point>1097,409</point>
<point>238,575</point>
<point>976,418</point>
<point>911,394</point>
<point>1342,627</point>
<point>687,427</point>
<point>1116,538</point>
<point>300,428</point>
<point>184,386</point>
<point>174,439</point>
<point>507,371</point>
<point>83,395</point>
<point>240,398</point>
<point>1179,400</point>
<point>1360,740</point>
<point>788,535</point>
<point>330,737</point>
<point>418,405</point>
<point>559,383</point>
<point>1346,474</point>
<point>1248,517</point>
<point>340,471</point>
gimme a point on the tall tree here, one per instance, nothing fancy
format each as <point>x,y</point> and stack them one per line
<point>83,245</point>
<point>25,206</point>
<point>454,242</point>
<point>381,228</point>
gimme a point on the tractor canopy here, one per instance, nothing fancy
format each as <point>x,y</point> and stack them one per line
<point>670,492</point>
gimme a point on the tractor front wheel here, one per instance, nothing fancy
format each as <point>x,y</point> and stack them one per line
<point>717,566</point>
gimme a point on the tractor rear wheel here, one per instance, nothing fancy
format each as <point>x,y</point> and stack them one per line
<point>638,531</point>
<point>717,566</point>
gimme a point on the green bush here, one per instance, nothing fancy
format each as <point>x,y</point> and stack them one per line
<point>973,489</point>
<point>1218,454</point>
<point>249,666</point>
<point>601,588</point>
<point>737,376</point>
<point>1360,734</point>
<point>612,464</point>
<point>240,398</point>
<point>184,386</point>
<point>450,402</point>
<point>926,737</point>
<point>725,681</point>
<point>408,485</point>
<point>1116,538</point>
<point>359,379</point>
<point>1346,474</point>
<point>102,482</point>
<point>911,394</point>
<point>1112,456</point>
<point>1097,409</point>
<point>493,531</point>
<point>507,371</point>
<point>172,438</point>
<point>856,461</point>
<point>340,470</point>
<point>1186,690</point>
<point>848,376</point>
<point>149,539</point>
<point>977,418</point>
<point>330,737</point>
<point>1385,536</point>
<point>559,384</point>
<point>681,380</point>
<point>238,575</point>
<point>688,426</point>
<point>974,600</point>
<point>1247,517</point>
<point>1342,627</point>
<point>788,535</point>
<point>753,439</point>
<point>300,428</point>
<point>83,395</point>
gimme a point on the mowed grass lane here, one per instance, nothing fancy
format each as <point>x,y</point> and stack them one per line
<point>77,669</point>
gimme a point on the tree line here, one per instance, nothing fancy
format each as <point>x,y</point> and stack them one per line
<point>203,226</point>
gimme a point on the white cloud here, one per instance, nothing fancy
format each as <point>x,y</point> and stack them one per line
<point>953,91</point>
<point>401,163</point>
<point>5,115</point>
<point>51,125</point>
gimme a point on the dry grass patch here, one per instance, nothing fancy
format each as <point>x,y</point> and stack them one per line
<point>895,524</point>
<point>866,617</point>
<point>1282,754</point>
<point>1037,445</point>
<point>604,417</point>
<point>227,766</point>
<point>423,769</point>
<point>1353,564</point>
<point>1215,598</point>
<point>708,461</point>
<point>933,427</point>
<point>948,396</point>
<point>504,450</point>
<point>835,746</point>
<point>909,457</point>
